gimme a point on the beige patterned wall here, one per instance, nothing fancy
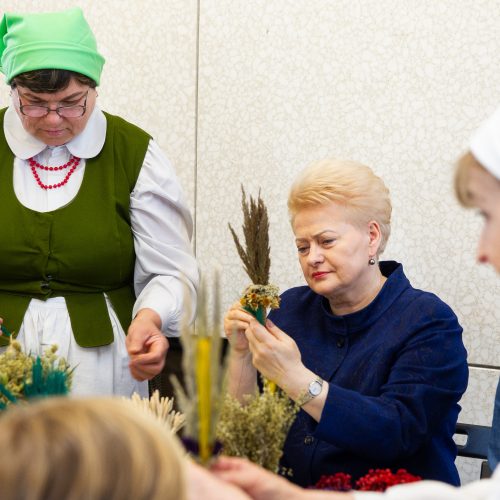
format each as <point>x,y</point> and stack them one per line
<point>397,84</point>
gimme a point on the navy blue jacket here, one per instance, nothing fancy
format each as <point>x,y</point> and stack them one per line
<point>396,371</point>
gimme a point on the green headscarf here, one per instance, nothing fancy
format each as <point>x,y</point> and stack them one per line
<point>53,40</point>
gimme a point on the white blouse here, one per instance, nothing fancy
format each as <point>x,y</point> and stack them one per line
<point>166,273</point>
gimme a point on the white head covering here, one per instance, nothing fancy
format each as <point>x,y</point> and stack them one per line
<point>485,144</point>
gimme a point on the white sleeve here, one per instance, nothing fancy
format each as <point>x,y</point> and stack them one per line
<point>166,273</point>
<point>434,490</point>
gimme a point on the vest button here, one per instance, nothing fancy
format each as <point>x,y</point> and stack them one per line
<point>340,343</point>
<point>44,285</point>
<point>308,440</point>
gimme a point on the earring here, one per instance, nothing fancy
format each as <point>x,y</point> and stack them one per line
<point>371,262</point>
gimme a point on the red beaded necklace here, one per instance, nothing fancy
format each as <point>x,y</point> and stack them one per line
<point>71,164</point>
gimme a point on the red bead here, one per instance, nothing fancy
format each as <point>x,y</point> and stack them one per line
<point>74,161</point>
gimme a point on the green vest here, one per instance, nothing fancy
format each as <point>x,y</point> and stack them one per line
<point>79,251</point>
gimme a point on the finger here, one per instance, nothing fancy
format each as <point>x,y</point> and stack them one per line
<point>259,332</point>
<point>235,327</point>
<point>277,332</point>
<point>135,342</point>
<point>143,371</point>
<point>238,476</point>
<point>259,350</point>
<point>237,315</point>
<point>227,463</point>
<point>160,338</point>
<point>150,357</point>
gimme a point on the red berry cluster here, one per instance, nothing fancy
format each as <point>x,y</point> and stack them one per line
<point>335,482</point>
<point>375,480</point>
<point>381,479</point>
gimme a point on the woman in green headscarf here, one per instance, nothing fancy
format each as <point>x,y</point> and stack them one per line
<point>95,230</point>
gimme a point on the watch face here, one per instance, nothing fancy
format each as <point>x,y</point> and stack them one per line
<point>315,388</point>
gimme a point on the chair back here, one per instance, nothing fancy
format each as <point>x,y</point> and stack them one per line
<point>476,444</point>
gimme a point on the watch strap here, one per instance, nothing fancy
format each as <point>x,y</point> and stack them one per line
<point>308,395</point>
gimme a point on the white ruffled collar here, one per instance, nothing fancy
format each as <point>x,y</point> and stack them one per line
<point>87,144</point>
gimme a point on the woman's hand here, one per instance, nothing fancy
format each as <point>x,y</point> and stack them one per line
<point>261,484</point>
<point>274,353</point>
<point>146,345</point>
<point>203,484</point>
<point>254,480</point>
<point>236,321</point>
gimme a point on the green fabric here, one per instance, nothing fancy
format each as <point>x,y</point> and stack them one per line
<point>78,251</point>
<point>259,314</point>
<point>52,40</point>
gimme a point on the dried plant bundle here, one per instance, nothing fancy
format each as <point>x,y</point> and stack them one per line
<point>203,377</point>
<point>161,408</point>
<point>256,428</point>
<point>256,254</point>
<point>23,376</point>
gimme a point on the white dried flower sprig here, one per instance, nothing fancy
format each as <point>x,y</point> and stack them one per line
<point>162,408</point>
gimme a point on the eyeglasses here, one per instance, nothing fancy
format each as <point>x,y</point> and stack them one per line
<point>36,111</point>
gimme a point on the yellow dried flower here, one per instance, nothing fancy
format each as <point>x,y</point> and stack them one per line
<point>260,295</point>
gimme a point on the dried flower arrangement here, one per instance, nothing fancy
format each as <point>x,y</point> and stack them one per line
<point>256,429</point>
<point>203,378</point>
<point>256,257</point>
<point>375,480</point>
<point>161,408</point>
<point>24,376</point>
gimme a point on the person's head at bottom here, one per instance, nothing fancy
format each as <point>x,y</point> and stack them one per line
<point>96,448</point>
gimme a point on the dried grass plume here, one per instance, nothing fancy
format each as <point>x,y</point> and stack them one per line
<point>256,254</point>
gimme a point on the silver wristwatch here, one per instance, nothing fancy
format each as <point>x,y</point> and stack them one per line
<point>313,390</point>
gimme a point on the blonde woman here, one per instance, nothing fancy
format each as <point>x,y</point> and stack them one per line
<point>377,366</point>
<point>477,184</point>
<point>97,449</point>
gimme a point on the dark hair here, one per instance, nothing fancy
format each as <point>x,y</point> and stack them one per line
<point>49,80</point>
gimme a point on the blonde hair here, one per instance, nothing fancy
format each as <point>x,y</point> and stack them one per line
<point>465,165</point>
<point>349,184</point>
<point>99,449</point>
